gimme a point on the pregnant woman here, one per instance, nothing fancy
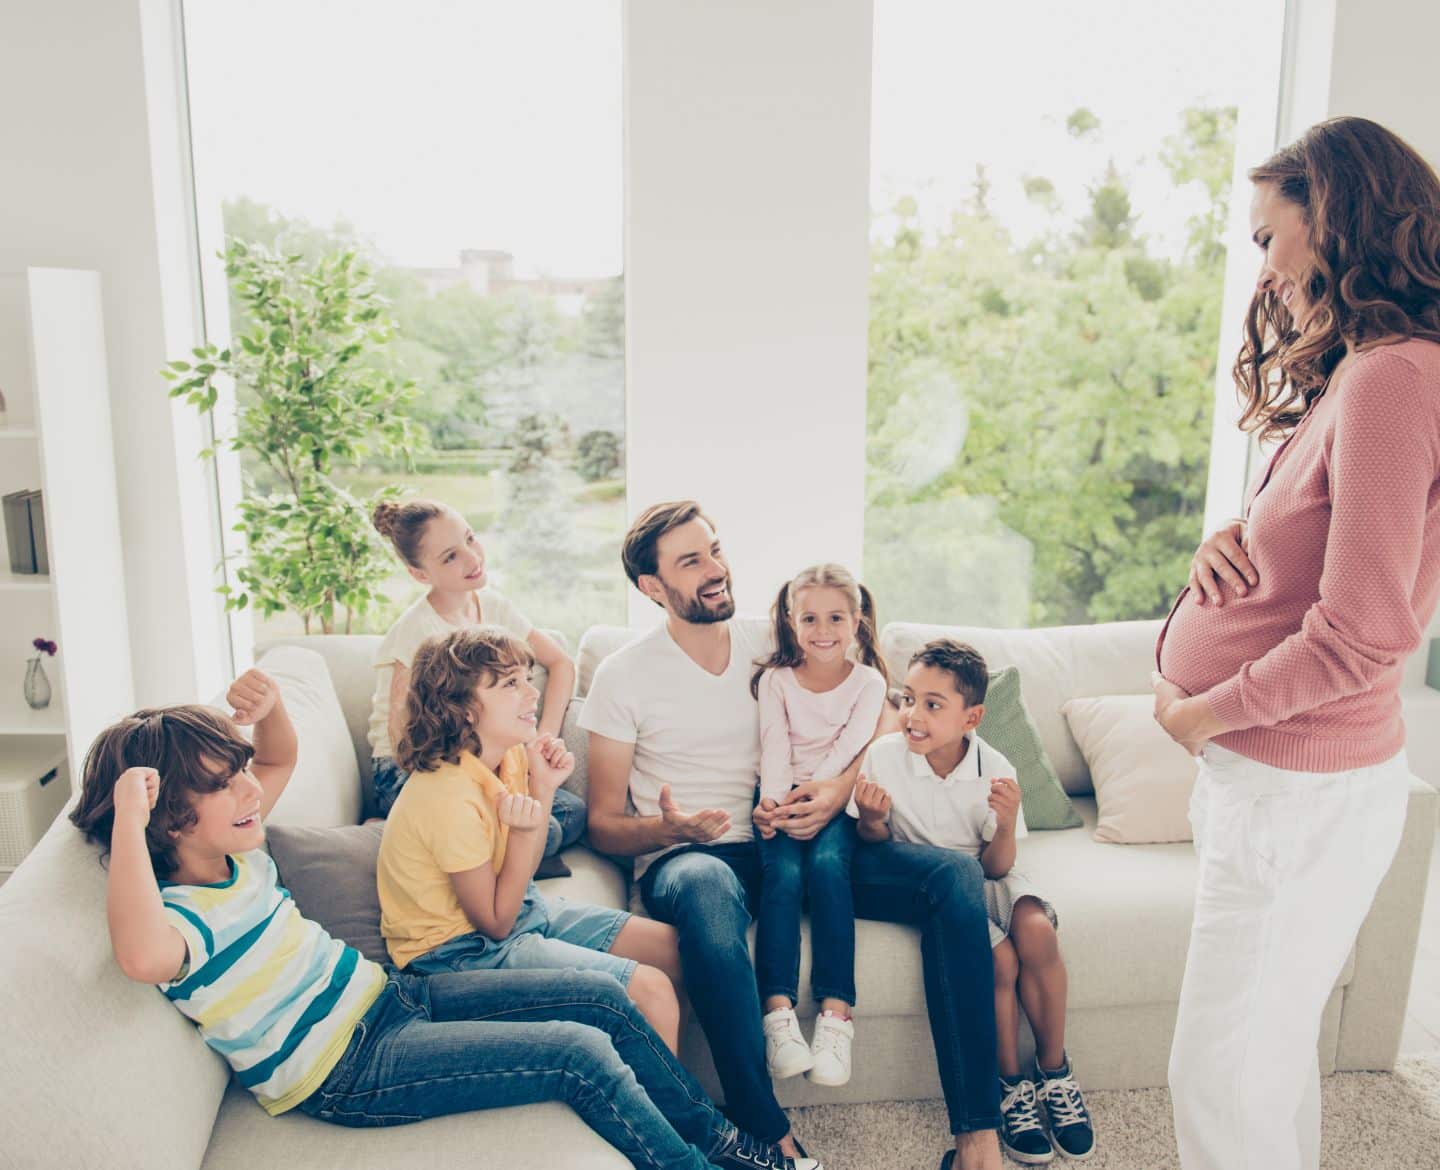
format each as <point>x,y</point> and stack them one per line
<point>1281,661</point>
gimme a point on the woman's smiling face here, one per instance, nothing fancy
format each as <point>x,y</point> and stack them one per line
<point>1278,227</point>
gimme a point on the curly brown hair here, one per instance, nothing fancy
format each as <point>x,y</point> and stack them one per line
<point>443,677</point>
<point>194,749</point>
<point>1372,208</point>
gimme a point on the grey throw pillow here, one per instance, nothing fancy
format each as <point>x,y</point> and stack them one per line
<point>330,872</point>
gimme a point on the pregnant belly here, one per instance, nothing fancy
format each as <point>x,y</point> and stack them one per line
<point>1203,645</point>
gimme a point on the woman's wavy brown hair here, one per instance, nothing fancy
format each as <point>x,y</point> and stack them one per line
<point>1372,207</point>
<point>195,749</point>
<point>441,704</point>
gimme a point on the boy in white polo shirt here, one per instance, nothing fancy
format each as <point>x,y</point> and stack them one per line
<point>937,783</point>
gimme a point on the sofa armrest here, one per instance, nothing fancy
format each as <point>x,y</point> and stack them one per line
<point>1373,1014</point>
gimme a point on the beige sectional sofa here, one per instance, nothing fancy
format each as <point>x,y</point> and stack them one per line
<point>99,1072</point>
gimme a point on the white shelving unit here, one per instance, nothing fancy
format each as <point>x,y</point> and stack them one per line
<point>58,439</point>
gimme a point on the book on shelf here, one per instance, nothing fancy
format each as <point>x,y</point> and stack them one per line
<point>24,513</point>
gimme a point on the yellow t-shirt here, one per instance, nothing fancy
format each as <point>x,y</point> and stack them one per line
<point>443,822</point>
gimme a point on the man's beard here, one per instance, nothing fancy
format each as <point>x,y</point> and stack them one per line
<point>695,610</point>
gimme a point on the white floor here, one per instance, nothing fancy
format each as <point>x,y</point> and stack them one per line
<point>1422,1018</point>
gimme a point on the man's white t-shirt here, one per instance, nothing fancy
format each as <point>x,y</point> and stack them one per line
<point>696,731</point>
<point>418,625</point>
<point>951,811</point>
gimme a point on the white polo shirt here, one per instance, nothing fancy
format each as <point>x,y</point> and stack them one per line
<point>951,811</point>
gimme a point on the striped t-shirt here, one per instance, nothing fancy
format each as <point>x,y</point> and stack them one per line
<point>274,994</point>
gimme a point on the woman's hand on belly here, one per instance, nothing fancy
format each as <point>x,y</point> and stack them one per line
<point>1222,557</point>
<point>1186,719</point>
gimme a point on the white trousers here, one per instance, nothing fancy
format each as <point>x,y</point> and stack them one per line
<point>1289,865</point>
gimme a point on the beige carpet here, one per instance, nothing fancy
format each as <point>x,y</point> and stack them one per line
<point>1372,1121</point>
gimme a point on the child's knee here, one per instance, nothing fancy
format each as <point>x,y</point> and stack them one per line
<point>653,993</point>
<point>1033,933</point>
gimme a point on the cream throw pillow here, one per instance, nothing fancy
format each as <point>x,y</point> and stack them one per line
<point>1142,777</point>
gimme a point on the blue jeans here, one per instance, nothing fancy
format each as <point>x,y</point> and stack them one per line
<point>819,868</point>
<point>552,934</point>
<point>486,1039</point>
<point>705,892</point>
<point>567,814</point>
<point>942,892</point>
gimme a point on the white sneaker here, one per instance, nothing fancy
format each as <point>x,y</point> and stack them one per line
<point>830,1050</point>
<point>786,1053</point>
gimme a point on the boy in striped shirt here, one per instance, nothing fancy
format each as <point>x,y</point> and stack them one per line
<point>306,1022</point>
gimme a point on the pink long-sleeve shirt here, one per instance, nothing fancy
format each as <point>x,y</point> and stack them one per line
<point>805,735</point>
<point>1344,532</point>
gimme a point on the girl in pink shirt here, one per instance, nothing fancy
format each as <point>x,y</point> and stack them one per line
<point>1282,661</point>
<point>819,708</point>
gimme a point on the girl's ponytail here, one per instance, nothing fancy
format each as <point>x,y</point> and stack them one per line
<point>787,648</point>
<point>868,637</point>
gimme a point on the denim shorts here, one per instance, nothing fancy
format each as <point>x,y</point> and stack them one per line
<point>550,933</point>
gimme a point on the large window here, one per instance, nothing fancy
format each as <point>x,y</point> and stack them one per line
<point>1051,188</point>
<point>470,151</point>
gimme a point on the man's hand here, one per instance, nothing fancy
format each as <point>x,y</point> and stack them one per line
<point>136,792</point>
<point>760,816</point>
<point>872,801</point>
<point>253,696</point>
<point>550,764</point>
<point>524,814</point>
<point>809,807</point>
<point>691,828</point>
<point>1005,801</point>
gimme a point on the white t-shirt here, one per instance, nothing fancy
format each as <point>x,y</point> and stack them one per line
<point>950,811</point>
<point>416,625</point>
<point>696,731</point>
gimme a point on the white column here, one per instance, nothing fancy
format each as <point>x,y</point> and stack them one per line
<point>746,272</point>
<point>90,181</point>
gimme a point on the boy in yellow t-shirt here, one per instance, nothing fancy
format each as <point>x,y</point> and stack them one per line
<point>468,829</point>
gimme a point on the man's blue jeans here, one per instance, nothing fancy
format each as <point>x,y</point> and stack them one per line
<point>942,892</point>
<point>486,1039</point>
<point>797,872</point>
<point>705,892</point>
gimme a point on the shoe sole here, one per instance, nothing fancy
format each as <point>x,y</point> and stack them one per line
<point>827,1082</point>
<point>1027,1159</point>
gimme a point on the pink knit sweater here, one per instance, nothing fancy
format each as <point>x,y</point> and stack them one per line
<point>1344,532</point>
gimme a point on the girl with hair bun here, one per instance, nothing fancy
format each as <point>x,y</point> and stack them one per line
<point>440,550</point>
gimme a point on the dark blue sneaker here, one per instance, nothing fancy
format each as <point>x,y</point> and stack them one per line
<point>1022,1133</point>
<point>742,1151</point>
<point>1070,1123</point>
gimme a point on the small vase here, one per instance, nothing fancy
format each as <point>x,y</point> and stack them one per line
<point>37,686</point>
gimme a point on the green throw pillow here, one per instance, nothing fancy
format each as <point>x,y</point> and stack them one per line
<point>1008,728</point>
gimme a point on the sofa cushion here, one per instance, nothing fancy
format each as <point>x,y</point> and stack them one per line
<point>330,872</point>
<point>1056,664</point>
<point>546,1136</point>
<point>1010,730</point>
<point>325,787</point>
<point>104,1072</point>
<point>1142,777</point>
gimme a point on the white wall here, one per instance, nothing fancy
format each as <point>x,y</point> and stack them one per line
<point>746,273</point>
<point>77,191</point>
